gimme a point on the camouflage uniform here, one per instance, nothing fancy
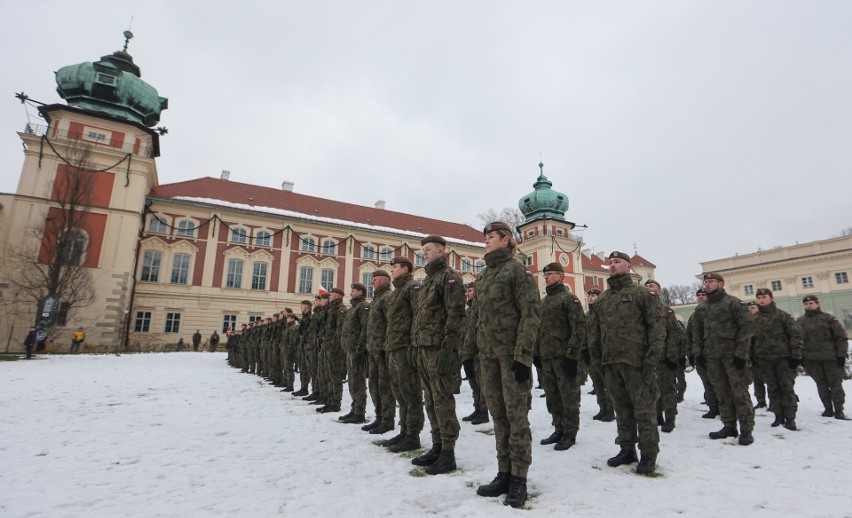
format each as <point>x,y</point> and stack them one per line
<point>312,351</point>
<point>507,315</point>
<point>353,339</point>
<point>469,350</point>
<point>626,337</point>
<point>288,356</point>
<point>562,335</point>
<point>306,348</point>
<point>380,386</point>
<point>825,349</point>
<point>722,333</point>
<point>606,410</point>
<point>709,393</point>
<point>777,346</point>
<point>335,356</point>
<point>670,358</point>
<point>405,379</point>
<point>213,343</point>
<point>436,331</point>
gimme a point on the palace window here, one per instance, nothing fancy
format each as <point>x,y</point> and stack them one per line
<point>234,278</point>
<point>262,238</point>
<point>143,322</point>
<point>306,279</point>
<point>258,276</point>
<point>151,260</point>
<point>807,282</point>
<point>172,323</point>
<point>180,268</point>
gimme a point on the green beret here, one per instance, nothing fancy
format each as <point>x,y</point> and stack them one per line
<point>714,276</point>
<point>405,261</point>
<point>324,295</point>
<point>809,298</point>
<point>495,226</point>
<point>763,291</point>
<point>553,267</point>
<point>308,302</point>
<point>701,291</point>
<point>338,291</point>
<point>594,291</point>
<point>381,273</point>
<point>359,286</point>
<point>652,281</point>
<point>434,238</point>
<point>620,255</point>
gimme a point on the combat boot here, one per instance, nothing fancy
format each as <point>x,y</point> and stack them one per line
<point>376,422</point>
<point>395,439</point>
<point>647,464</point>
<point>407,443</point>
<point>779,420</point>
<point>445,464</point>
<point>301,392</point>
<point>660,419</point>
<point>331,407</point>
<point>322,409</point>
<point>727,431</point>
<point>761,403</point>
<point>625,456</point>
<point>713,413</point>
<point>429,457</point>
<point>790,424</point>
<point>565,443</point>
<point>828,412</point>
<point>344,417</point>
<point>471,416</point>
<point>356,419</point>
<point>553,439</point>
<point>838,414</point>
<point>669,423</point>
<point>746,438</point>
<point>498,486</point>
<point>517,495</point>
<point>382,428</point>
<point>481,417</point>
<point>312,397</point>
<point>608,417</point>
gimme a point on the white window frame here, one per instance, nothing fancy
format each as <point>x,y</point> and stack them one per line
<point>233,277</point>
<point>386,255</point>
<point>368,252</point>
<point>158,224</point>
<point>367,280</point>
<point>306,279</point>
<point>239,236</point>
<point>807,282</point>
<point>183,231</point>
<point>748,290</point>
<point>229,319</point>
<point>263,238</point>
<point>153,269</point>
<point>419,259</point>
<point>841,278</point>
<point>329,247</point>
<point>259,279</point>
<point>776,285</point>
<point>142,323</point>
<point>308,244</point>
<point>180,269</point>
<point>172,323</point>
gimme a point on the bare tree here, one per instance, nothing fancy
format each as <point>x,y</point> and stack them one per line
<point>512,216</point>
<point>679,293</point>
<point>845,232</point>
<point>49,259</point>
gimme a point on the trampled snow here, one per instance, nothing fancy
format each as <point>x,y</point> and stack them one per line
<point>183,434</point>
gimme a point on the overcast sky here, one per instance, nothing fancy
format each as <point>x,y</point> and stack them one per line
<point>696,130</point>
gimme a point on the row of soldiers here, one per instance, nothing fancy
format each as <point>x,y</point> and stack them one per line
<point>408,342</point>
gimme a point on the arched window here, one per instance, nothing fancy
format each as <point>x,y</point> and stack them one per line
<point>262,238</point>
<point>480,265</point>
<point>309,244</point>
<point>157,225</point>
<point>329,247</point>
<point>368,252</point>
<point>238,235</point>
<point>186,228</point>
<point>386,255</point>
<point>419,259</point>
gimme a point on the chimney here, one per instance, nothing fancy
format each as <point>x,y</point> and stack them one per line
<point>380,204</point>
<point>225,174</point>
<point>287,186</point>
<point>602,256</point>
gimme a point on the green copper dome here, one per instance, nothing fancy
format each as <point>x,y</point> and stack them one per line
<point>543,202</point>
<point>112,86</point>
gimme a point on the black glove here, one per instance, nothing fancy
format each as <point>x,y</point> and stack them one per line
<point>841,361</point>
<point>522,372</point>
<point>443,364</point>
<point>794,363</point>
<point>739,363</point>
<point>587,357</point>
<point>701,360</point>
<point>537,361</point>
<point>691,359</point>
<point>469,371</point>
<point>359,357</point>
<point>570,367</point>
<point>671,365</point>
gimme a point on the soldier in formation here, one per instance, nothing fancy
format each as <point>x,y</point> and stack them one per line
<point>606,412</point>
<point>353,339</point>
<point>381,393</point>
<point>825,348</point>
<point>671,357</point>
<point>470,363</point>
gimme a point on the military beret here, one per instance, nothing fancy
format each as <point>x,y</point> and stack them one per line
<point>652,281</point>
<point>360,287</point>
<point>380,273</point>
<point>323,296</point>
<point>293,316</point>
<point>701,291</point>
<point>620,255</point>
<point>763,291</point>
<point>471,284</point>
<point>338,291</point>
<point>288,311</point>
<point>751,303</point>
<point>552,267</point>
<point>495,226</point>
<point>405,261</point>
<point>594,291</point>
<point>308,302</point>
<point>434,238</point>
<point>713,276</point>
<point>809,298</point>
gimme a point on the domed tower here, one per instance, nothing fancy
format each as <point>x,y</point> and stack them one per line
<point>86,174</point>
<point>546,234</point>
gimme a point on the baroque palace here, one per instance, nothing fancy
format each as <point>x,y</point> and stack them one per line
<point>206,254</point>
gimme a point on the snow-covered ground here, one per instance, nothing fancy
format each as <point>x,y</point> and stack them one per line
<point>183,434</point>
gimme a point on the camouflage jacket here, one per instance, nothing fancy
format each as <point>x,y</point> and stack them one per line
<point>354,337</point>
<point>721,327</point>
<point>377,322</point>
<point>440,308</point>
<point>214,339</point>
<point>824,337</point>
<point>400,313</point>
<point>332,326</point>
<point>312,332</point>
<point>304,324</point>
<point>627,325</point>
<point>291,337</point>
<point>776,334</point>
<point>468,347</point>
<point>673,346</point>
<point>507,312</point>
<point>563,325</point>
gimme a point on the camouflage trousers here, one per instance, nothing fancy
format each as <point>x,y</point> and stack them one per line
<point>779,378</point>
<point>829,381</point>
<point>667,381</point>
<point>475,380</point>
<point>438,398</point>
<point>244,357</point>
<point>276,363</point>
<point>709,392</point>
<point>357,383</point>
<point>405,384</point>
<point>380,389</point>
<point>309,367</point>
<point>562,395</point>
<point>760,387</point>
<point>599,385</point>
<point>509,404</point>
<point>336,373</point>
<point>288,359</point>
<point>680,376</point>
<point>321,381</point>
<point>635,400</point>
<point>731,385</point>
